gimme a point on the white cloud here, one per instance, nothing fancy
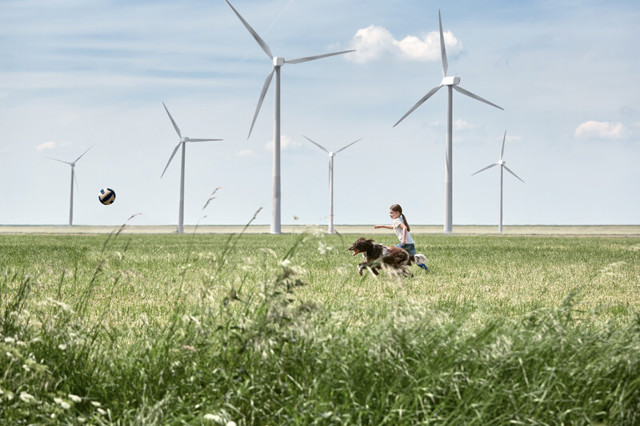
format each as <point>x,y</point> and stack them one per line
<point>376,42</point>
<point>601,130</point>
<point>460,124</point>
<point>285,143</point>
<point>45,145</point>
<point>245,153</point>
<point>514,138</point>
<point>371,43</point>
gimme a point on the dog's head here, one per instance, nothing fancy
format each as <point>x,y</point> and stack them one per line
<point>361,246</point>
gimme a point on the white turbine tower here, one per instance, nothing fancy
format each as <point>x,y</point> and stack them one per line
<point>452,83</point>
<point>278,62</point>
<point>73,178</point>
<point>503,166</point>
<point>331,156</point>
<point>183,141</point>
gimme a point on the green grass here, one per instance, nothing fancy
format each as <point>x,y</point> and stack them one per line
<point>262,329</point>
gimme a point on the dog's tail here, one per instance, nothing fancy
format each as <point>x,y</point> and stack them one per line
<point>418,258</point>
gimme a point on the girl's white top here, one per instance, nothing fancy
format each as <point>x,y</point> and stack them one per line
<point>396,227</point>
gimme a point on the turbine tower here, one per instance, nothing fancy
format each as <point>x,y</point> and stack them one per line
<point>73,178</point>
<point>278,62</point>
<point>183,142</point>
<point>451,82</point>
<point>331,156</point>
<point>503,166</point>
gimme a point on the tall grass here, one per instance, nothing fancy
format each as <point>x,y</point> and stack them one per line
<point>223,330</point>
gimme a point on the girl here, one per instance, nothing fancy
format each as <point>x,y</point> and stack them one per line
<point>401,227</point>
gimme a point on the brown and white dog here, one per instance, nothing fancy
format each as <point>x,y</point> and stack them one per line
<point>377,256</point>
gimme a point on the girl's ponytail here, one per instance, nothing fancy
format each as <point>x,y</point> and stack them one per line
<point>405,222</point>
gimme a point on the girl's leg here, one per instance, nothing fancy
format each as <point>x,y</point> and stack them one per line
<point>411,249</point>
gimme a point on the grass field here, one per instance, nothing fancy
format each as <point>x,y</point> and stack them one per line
<point>261,329</point>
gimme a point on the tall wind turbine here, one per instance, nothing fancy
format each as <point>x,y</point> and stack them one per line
<point>183,142</point>
<point>331,155</point>
<point>452,83</point>
<point>503,166</point>
<point>73,178</point>
<point>278,62</point>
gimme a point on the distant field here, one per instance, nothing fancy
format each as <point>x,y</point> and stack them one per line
<point>623,230</point>
<point>150,327</point>
<point>500,276</point>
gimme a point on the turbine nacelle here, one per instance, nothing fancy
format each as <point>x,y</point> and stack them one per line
<point>278,61</point>
<point>450,81</point>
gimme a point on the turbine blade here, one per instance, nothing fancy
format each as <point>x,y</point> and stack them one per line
<point>255,35</point>
<point>347,146</point>
<point>170,158</point>
<point>313,58</point>
<point>476,97</point>
<point>203,140</point>
<point>510,171</point>
<point>504,138</point>
<point>443,51</point>
<point>62,161</point>
<point>175,126</point>
<point>482,170</point>
<point>317,144</point>
<point>83,154</point>
<point>420,102</point>
<point>265,87</point>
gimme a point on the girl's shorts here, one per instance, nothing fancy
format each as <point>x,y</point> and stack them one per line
<point>410,248</point>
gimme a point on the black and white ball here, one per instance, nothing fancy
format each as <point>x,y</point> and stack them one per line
<point>107,196</point>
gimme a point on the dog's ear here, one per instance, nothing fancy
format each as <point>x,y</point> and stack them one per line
<point>370,241</point>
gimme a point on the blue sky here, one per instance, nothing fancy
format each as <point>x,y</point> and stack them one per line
<point>76,74</point>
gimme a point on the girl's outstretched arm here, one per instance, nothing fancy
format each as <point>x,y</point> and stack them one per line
<point>383,226</point>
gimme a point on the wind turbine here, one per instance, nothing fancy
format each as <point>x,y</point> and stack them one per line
<point>183,142</point>
<point>503,166</point>
<point>331,155</point>
<point>452,83</point>
<point>278,62</point>
<point>73,178</point>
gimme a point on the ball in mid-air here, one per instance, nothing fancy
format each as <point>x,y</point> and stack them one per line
<point>107,196</point>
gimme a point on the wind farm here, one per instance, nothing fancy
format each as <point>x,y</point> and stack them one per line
<point>375,63</point>
<point>233,315</point>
